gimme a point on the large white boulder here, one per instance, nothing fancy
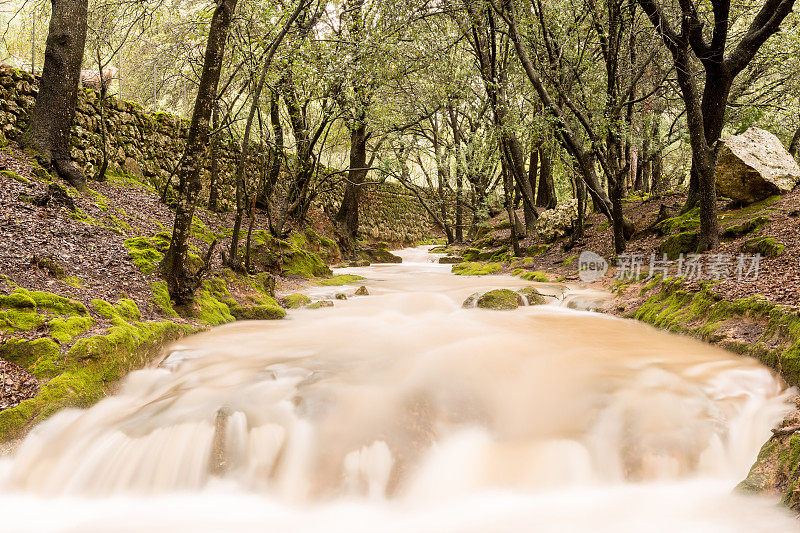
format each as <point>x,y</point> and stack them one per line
<point>753,166</point>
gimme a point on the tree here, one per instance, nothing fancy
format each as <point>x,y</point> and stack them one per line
<point>181,283</point>
<point>706,105</point>
<point>49,130</point>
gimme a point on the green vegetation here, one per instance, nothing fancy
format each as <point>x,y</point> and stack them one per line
<point>500,300</point>
<point>766,246</point>
<point>341,279</point>
<point>143,254</point>
<point>532,296</point>
<point>476,269</point>
<point>297,300</point>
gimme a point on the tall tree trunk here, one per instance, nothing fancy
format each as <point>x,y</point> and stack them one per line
<point>244,151</point>
<point>213,186</point>
<point>181,283</point>
<point>348,211</point>
<point>794,145</point>
<point>546,194</point>
<point>49,130</point>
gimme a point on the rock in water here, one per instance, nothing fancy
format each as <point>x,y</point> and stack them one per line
<point>362,291</point>
<point>501,300</point>
<point>753,166</point>
<point>558,222</point>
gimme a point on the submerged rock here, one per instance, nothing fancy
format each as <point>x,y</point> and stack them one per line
<point>500,300</point>
<point>362,291</point>
<point>753,166</point>
<point>340,296</point>
<point>293,301</point>
<point>320,304</point>
<point>450,260</point>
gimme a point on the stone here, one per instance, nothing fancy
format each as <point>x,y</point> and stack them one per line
<point>132,168</point>
<point>320,304</point>
<point>340,296</point>
<point>362,291</point>
<point>754,166</point>
<point>500,300</point>
<point>450,260</point>
<point>533,296</point>
<point>556,223</point>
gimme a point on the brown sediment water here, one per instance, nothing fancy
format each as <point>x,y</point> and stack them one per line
<point>403,411</point>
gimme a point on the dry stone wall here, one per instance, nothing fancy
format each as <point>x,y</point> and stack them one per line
<point>149,146</point>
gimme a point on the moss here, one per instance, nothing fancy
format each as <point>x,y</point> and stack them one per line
<point>66,329</point>
<point>687,222</point>
<point>73,281</point>
<point>569,260</point>
<point>766,246</point>
<point>682,243</point>
<point>500,299</point>
<point>41,357</point>
<point>476,269</point>
<point>470,254</point>
<point>23,310</point>
<point>14,176</point>
<point>320,304</point>
<point>535,276</point>
<point>143,254</point>
<point>258,312</point>
<point>532,296</point>
<point>125,308</point>
<point>744,228</point>
<point>302,263</point>
<point>341,279</point>
<point>536,249</point>
<point>293,301</point>
<point>161,299</point>
<point>93,364</point>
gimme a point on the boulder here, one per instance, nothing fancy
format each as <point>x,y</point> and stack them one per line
<point>533,296</point>
<point>556,223</point>
<point>500,300</point>
<point>753,166</point>
<point>378,253</point>
<point>362,291</point>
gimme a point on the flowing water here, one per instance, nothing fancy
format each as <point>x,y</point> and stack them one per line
<point>402,411</point>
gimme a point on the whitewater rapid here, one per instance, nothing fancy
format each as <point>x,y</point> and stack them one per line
<point>402,411</point>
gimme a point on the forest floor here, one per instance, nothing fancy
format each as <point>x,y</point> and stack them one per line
<point>772,226</point>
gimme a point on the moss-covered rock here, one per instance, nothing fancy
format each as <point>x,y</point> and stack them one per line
<point>296,300</point>
<point>144,254</point>
<point>681,243</point>
<point>450,260</point>
<point>378,253</point>
<point>766,246</point>
<point>41,357</point>
<point>341,279</point>
<point>65,329</point>
<point>476,269</point>
<point>687,222</point>
<point>88,368</point>
<point>362,291</point>
<point>744,228</point>
<point>533,296</point>
<point>258,312</point>
<point>24,310</point>
<point>340,296</point>
<point>320,304</point>
<point>500,300</point>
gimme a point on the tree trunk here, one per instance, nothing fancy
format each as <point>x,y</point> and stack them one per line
<point>795,144</point>
<point>546,194</point>
<point>348,212</point>
<point>213,186</point>
<point>49,131</point>
<point>181,283</point>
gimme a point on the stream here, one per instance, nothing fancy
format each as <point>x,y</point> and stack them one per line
<point>402,411</point>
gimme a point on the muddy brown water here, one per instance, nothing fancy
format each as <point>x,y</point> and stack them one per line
<point>402,411</point>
